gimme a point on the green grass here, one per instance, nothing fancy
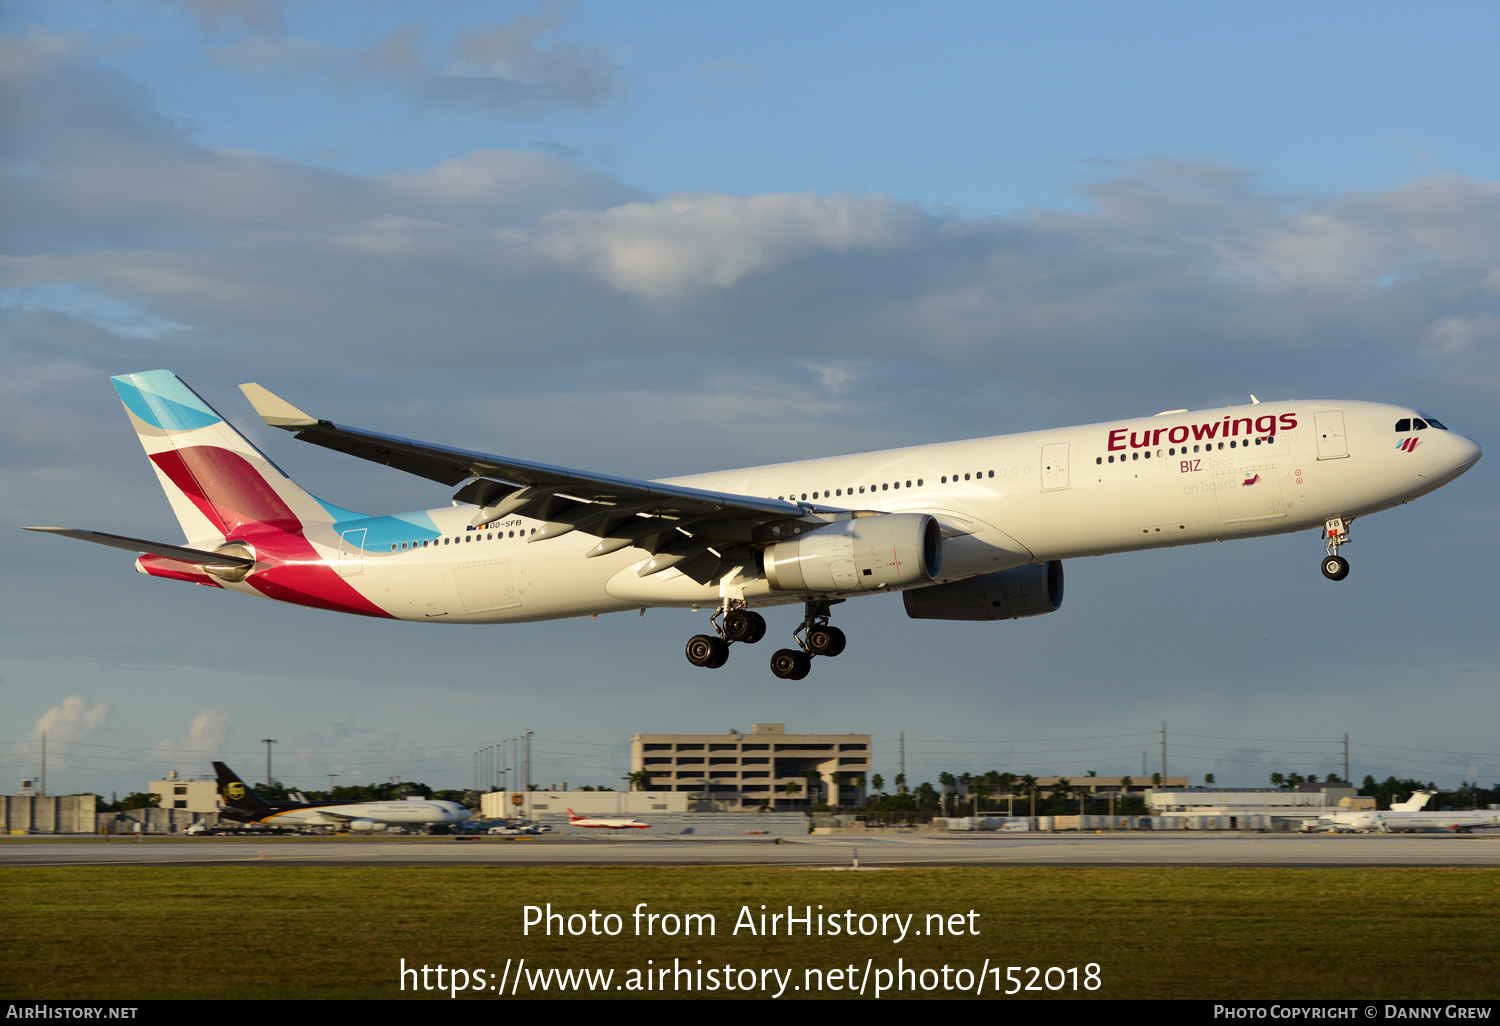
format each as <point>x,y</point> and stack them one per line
<point>1211,933</point>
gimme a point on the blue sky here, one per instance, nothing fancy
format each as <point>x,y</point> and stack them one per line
<point>655,239</point>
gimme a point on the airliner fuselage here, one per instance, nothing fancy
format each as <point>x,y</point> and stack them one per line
<point>1004,502</point>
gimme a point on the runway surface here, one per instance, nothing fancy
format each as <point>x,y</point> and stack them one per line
<point>831,852</point>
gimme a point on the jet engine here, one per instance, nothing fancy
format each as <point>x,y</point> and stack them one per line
<point>366,825</point>
<point>1004,595</point>
<point>886,550</point>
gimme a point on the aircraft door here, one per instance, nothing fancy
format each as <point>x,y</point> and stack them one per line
<point>1054,466</point>
<point>352,552</point>
<point>1333,444</point>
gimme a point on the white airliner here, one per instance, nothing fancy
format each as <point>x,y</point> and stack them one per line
<point>971,530</point>
<point>244,805</point>
<point>1411,814</point>
<point>574,819</point>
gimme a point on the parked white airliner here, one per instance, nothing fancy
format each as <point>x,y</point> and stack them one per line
<point>1409,815</point>
<point>971,530</point>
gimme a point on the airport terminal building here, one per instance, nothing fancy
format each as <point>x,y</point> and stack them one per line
<point>766,768</point>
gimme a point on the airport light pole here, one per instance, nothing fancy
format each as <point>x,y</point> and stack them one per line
<point>268,742</point>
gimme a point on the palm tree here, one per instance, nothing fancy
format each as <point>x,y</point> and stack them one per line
<point>1008,788</point>
<point>1062,789</point>
<point>814,778</point>
<point>878,783</point>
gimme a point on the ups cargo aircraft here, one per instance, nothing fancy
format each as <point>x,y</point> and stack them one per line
<point>972,530</point>
<point>245,806</point>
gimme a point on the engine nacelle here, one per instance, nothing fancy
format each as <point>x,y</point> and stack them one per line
<point>373,826</point>
<point>1004,595</point>
<point>887,550</point>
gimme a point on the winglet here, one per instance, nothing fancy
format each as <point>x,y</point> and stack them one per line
<point>275,410</point>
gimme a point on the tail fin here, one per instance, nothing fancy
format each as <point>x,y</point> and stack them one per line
<point>219,484</point>
<point>238,795</point>
<point>1415,803</point>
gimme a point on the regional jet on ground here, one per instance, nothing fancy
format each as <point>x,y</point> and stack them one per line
<point>574,819</point>
<point>245,806</point>
<point>972,530</point>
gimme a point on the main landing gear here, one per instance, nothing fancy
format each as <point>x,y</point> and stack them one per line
<point>815,637</point>
<point>740,624</point>
<point>1335,566</point>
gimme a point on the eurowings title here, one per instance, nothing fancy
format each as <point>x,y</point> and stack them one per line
<point>1230,427</point>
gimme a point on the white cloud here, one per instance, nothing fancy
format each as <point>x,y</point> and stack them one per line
<point>1452,334</point>
<point>515,69</point>
<point>72,720</point>
<point>206,735</point>
<point>709,239</point>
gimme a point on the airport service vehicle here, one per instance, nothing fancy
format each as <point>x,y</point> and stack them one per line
<point>1411,814</point>
<point>243,804</point>
<point>972,530</point>
<point>574,819</point>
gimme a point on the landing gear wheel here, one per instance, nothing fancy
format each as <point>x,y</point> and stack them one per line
<point>706,651</point>
<point>826,641</point>
<point>789,664</point>
<point>1335,568</point>
<point>743,625</point>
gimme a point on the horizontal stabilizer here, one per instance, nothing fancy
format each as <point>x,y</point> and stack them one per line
<point>177,552</point>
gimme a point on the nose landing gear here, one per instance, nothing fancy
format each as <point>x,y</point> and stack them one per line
<point>1335,566</point>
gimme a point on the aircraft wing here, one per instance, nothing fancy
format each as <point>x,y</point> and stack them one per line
<point>335,818</point>
<point>680,526</point>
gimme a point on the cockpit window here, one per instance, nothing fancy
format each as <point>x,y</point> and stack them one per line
<point>1419,423</point>
<point>1404,424</point>
<point>1435,424</point>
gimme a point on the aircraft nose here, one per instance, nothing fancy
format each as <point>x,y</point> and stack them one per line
<point>1465,453</point>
